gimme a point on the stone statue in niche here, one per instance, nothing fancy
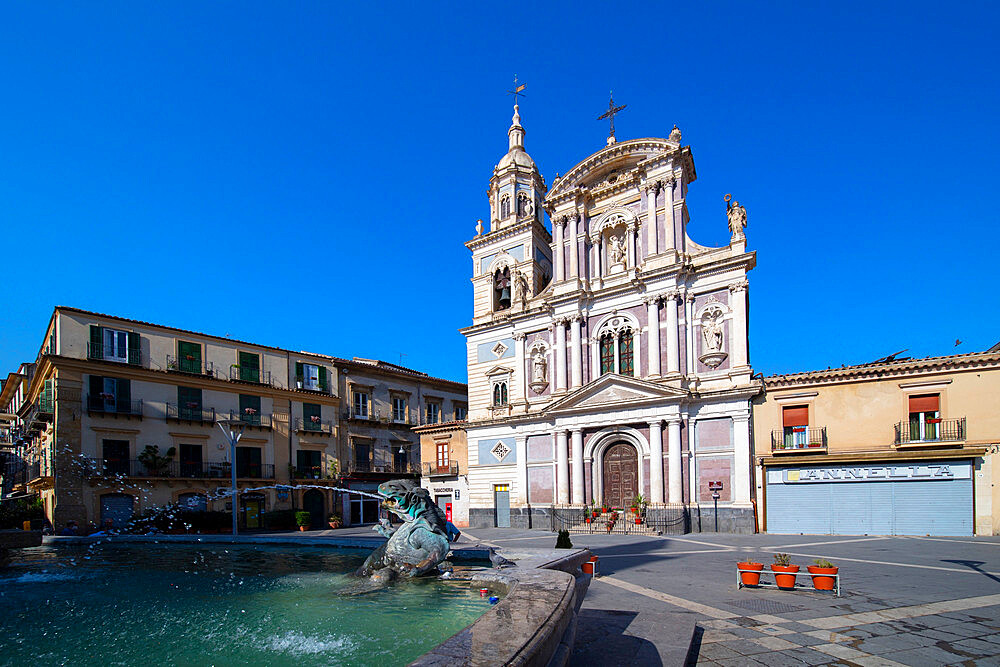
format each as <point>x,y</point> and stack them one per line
<point>539,372</point>
<point>522,288</point>
<point>712,338</point>
<point>737,218</point>
<point>616,250</point>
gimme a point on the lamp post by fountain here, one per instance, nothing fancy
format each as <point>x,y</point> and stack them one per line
<point>233,429</point>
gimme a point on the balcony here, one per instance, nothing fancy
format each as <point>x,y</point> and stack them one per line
<point>249,374</point>
<point>314,425</point>
<point>133,357</point>
<point>40,413</point>
<point>302,384</point>
<point>321,471</point>
<point>393,468</point>
<point>931,432</point>
<point>791,440</point>
<point>120,468</point>
<point>378,418</point>
<point>435,470</point>
<point>190,365</point>
<point>108,404</point>
<point>191,412</point>
<point>253,419</point>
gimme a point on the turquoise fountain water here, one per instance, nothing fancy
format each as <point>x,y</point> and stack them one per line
<point>226,605</point>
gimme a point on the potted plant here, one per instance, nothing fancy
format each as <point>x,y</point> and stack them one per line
<point>750,578</point>
<point>783,564</point>
<point>334,520</point>
<point>823,567</point>
<point>303,519</point>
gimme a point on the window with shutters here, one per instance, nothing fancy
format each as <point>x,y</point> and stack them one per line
<point>311,377</point>
<point>189,403</point>
<point>361,404</point>
<point>925,417</point>
<point>113,345</point>
<point>110,395</point>
<point>433,412</point>
<point>188,357</point>
<point>399,409</point>
<point>795,426</point>
<point>442,457</point>
<point>249,367</point>
<point>312,417</point>
<point>461,412</point>
<point>250,409</point>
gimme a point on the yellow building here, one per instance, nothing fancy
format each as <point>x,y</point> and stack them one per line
<point>120,416</point>
<point>894,447</point>
<point>444,451</point>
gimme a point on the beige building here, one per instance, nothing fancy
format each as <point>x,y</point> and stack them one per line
<point>121,419</point>
<point>894,447</point>
<point>444,451</point>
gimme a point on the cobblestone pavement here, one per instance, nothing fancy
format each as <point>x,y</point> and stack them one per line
<point>906,600</point>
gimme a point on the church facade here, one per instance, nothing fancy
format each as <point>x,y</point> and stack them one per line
<point>608,358</point>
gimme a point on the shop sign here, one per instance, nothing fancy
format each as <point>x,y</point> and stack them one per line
<point>442,489</point>
<point>886,473</point>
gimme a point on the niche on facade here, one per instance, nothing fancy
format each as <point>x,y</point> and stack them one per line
<point>615,236</point>
<point>539,367</point>
<point>501,288</point>
<point>713,342</point>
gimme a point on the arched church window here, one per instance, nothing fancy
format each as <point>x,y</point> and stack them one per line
<point>524,206</point>
<point>500,394</point>
<point>625,363</point>
<point>501,289</point>
<point>504,206</point>
<point>607,353</point>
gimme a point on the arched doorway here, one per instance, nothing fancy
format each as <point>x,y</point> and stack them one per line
<point>314,503</point>
<point>621,475</point>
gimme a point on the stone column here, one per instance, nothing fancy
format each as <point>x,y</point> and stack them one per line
<point>557,249</point>
<point>674,491</point>
<point>668,214</point>
<point>595,243</point>
<point>577,485</point>
<point>576,353</point>
<point>741,460</point>
<point>653,327</point>
<point>574,247</point>
<point>632,259</point>
<point>651,189</point>
<point>521,453</point>
<point>523,372</point>
<point>655,462</point>
<point>560,352</point>
<point>738,326</point>
<point>689,332</point>
<point>586,268</point>
<point>562,468</point>
<point>673,337</point>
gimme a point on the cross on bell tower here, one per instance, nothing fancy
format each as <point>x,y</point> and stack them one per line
<point>610,114</point>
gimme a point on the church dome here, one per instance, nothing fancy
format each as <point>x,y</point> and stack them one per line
<point>517,157</point>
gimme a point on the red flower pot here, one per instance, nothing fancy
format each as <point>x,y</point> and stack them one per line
<point>638,521</point>
<point>821,583</point>
<point>750,578</point>
<point>786,581</point>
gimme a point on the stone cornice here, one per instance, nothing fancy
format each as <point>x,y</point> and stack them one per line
<point>532,224</point>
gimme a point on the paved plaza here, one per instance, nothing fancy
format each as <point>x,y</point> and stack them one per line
<point>906,600</point>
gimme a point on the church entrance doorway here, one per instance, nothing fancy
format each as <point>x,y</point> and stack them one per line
<point>621,475</point>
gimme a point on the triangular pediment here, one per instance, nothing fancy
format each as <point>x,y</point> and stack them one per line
<point>611,390</point>
<point>499,370</point>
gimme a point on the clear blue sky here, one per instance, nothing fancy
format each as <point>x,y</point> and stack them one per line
<point>305,174</point>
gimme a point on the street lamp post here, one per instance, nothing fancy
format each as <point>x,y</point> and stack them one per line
<point>233,429</point>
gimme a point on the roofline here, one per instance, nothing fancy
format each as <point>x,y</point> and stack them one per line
<point>454,425</point>
<point>888,368</point>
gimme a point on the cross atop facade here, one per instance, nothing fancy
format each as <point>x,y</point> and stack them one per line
<point>517,89</point>
<point>610,113</point>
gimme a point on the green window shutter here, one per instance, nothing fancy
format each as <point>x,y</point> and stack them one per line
<point>96,350</point>
<point>185,350</point>
<point>187,395</point>
<point>252,402</point>
<point>249,360</point>
<point>310,410</point>
<point>133,348</point>
<point>124,397</point>
<point>96,388</point>
<point>322,378</point>
<point>298,370</point>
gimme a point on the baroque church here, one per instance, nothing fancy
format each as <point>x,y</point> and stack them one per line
<point>608,358</point>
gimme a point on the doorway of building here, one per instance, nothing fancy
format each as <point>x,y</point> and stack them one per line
<point>363,510</point>
<point>313,502</point>
<point>252,505</point>
<point>621,475</point>
<point>444,502</point>
<point>116,508</point>
<point>501,504</point>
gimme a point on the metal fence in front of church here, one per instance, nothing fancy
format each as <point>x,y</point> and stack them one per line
<point>650,521</point>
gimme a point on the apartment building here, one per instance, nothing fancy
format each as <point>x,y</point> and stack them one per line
<point>444,455</point>
<point>121,417</point>
<point>899,446</point>
<point>13,438</point>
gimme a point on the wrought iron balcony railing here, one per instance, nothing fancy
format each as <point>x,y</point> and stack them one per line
<point>301,382</point>
<point>251,418</point>
<point>932,430</point>
<point>798,437</point>
<point>249,374</point>
<point>190,364</point>
<point>191,412</point>
<point>435,470</point>
<point>110,405</point>
<point>393,468</point>
<point>314,425</point>
<point>175,469</point>
<point>133,356</point>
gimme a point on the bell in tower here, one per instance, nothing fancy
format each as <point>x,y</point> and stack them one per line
<point>501,288</point>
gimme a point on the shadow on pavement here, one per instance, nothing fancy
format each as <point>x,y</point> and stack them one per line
<point>974,565</point>
<point>601,640</point>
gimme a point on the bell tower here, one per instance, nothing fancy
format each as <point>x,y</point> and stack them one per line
<point>512,262</point>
